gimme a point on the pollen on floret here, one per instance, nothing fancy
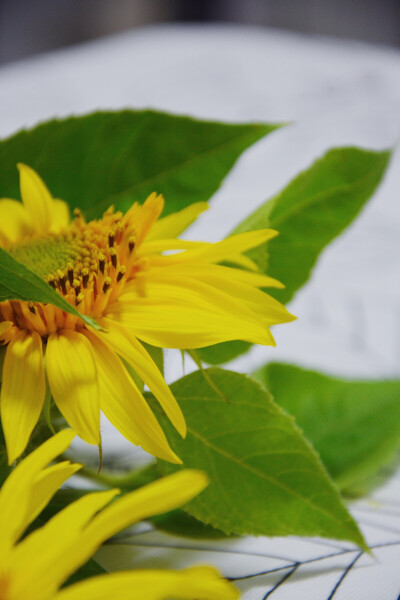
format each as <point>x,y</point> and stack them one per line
<point>131,243</point>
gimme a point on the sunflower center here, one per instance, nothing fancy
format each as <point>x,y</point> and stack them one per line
<point>88,264</point>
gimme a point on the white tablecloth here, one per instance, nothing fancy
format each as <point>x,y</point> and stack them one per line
<point>334,93</point>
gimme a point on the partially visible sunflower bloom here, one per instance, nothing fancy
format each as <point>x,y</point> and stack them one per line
<point>119,270</point>
<point>37,566</point>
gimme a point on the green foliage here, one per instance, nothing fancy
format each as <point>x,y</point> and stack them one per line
<point>354,425</point>
<point>219,354</point>
<point>265,478</point>
<point>309,213</point>
<point>117,158</point>
<point>179,522</point>
<point>89,569</point>
<point>17,282</point>
<point>176,522</point>
<point>312,210</point>
<point>157,354</point>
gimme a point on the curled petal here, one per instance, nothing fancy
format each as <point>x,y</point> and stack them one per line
<point>16,491</point>
<point>46,557</point>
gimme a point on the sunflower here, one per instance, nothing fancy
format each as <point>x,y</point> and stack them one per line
<point>37,566</point>
<point>142,284</point>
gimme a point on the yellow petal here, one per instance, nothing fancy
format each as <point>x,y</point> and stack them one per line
<point>173,225</point>
<point>155,498</point>
<point>14,221</point>
<point>211,293</point>
<point>183,316</point>
<point>144,218</point>
<point>61,216</point>
<point>47,556</point>
<point>237,244</point>
<point>23,391</point>
<point>203,271</point>
<point>162,298</point>
<point>37,199</point>
<point>203,583</point>
<point>157,246</point>
<point>228,249</point>
<point>16,490</point>
<point>127,346</point>
<point>72,536</point>
<point>46,485</point>
<point>124,405</point>
<point>243,261</point>
<point>186,328</point>
<point>72,376</point>
<point>224,291</point>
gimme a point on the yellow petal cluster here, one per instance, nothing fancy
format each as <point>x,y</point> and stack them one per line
<point>36,566</point>
<point>142,284</point>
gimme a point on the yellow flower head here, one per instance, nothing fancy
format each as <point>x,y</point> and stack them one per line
<point>119,270</point>
<point>36,567</point>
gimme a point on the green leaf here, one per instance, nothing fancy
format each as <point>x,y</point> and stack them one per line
<point>309,213</point>
<point>354,425</point>
<point>117,158</point>
<point>157,354</point>
<point>138,380</point>
<point>219,354</point>
<point>89,569</point>
<point>265,478</point>
<point>17,282</point>
<point>179,522</point>
<point>312,210</point>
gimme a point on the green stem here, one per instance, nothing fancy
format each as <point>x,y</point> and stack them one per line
<point>127,481</point>
<point>196,358</point>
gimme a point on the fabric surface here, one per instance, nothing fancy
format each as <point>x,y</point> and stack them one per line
<point>333,93</point>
